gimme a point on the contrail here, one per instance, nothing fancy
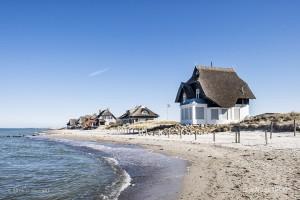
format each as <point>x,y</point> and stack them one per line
<point>96,73</point>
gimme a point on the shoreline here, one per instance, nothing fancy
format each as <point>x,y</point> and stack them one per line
<point>218,171</point>
<point>151,174</point>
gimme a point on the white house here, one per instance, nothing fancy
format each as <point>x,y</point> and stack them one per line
<point>105,117</point>
<point>213,96</point>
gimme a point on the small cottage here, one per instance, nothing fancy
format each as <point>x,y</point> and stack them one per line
<point>105,117</point>
<point>213,96</point>
<point>73,124</point>
<point>88,122</point>
<point>138,114</point>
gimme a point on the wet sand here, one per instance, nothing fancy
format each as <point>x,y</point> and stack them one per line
<point>220,171</point>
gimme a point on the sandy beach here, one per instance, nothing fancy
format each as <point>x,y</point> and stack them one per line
<point>224,169</point>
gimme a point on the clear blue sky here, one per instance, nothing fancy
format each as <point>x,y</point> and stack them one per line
<point>62,59</point>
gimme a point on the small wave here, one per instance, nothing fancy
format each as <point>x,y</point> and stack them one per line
<point>126,179</point>
<point>116,187</point>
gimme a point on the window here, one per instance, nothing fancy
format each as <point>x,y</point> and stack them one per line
<point>197,93</point>
<point>145,112</point>
<point>236,114</point>
<point>186,113</point>
<point>190,113</point>
<point>214,114</point>
<point>224,114</point>
<point>199,113</point>
<point>183,113</point>
<point>184,97</point>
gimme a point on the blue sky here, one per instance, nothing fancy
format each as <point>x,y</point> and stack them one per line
<point>62,59</point>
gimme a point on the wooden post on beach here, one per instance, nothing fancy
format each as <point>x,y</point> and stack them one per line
<point>239,133</point>
<point>271,130</point>
<point>180,133</point>
<point>235,134</point>
<point>295,127</point>
<point>195,135</point>
<point>214,137</point>
<point>266,136</point>
<point>169,133</point>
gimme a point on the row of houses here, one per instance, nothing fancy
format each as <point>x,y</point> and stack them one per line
<point>105,117</point>
<point>212,95</point>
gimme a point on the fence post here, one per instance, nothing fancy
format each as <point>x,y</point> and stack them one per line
<point>214,137</point>
<point>235,134</point>
<point>181,133</point>
<point>295,127</point>
<point>266,136</point>
<point>271,130</point>
<point>195,135</point>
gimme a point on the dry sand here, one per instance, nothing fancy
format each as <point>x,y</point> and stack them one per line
<point>224,170</point>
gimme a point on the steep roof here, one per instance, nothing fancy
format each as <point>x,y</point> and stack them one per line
<point>72,122</point>
<point>106,112</point>
<point>139,111</point>
<point>220,85</point>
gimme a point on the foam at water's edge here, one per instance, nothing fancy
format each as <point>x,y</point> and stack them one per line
<point>126,179</point>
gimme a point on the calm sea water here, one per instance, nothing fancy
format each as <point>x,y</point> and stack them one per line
<point>38,168</point>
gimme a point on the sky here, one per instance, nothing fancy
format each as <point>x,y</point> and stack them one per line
<point>63,59</point>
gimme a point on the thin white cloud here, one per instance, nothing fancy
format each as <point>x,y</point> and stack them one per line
<point>99,72</point>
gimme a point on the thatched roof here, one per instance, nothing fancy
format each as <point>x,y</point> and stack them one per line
<point>219,85</point>
<point>106,112</point>
<point>73,122</point>
<point>139,112</point>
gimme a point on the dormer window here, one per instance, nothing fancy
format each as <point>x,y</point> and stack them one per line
<point>184,97</point>
<point>197,93</point>
<point>145,112</point>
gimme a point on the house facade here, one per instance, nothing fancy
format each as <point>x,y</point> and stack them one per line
<point>213,96</point>
<point>73,124</point>
<point>105,117</point>
<point>138,114</point>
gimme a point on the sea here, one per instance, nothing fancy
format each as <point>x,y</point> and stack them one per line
<point>34,167</point>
